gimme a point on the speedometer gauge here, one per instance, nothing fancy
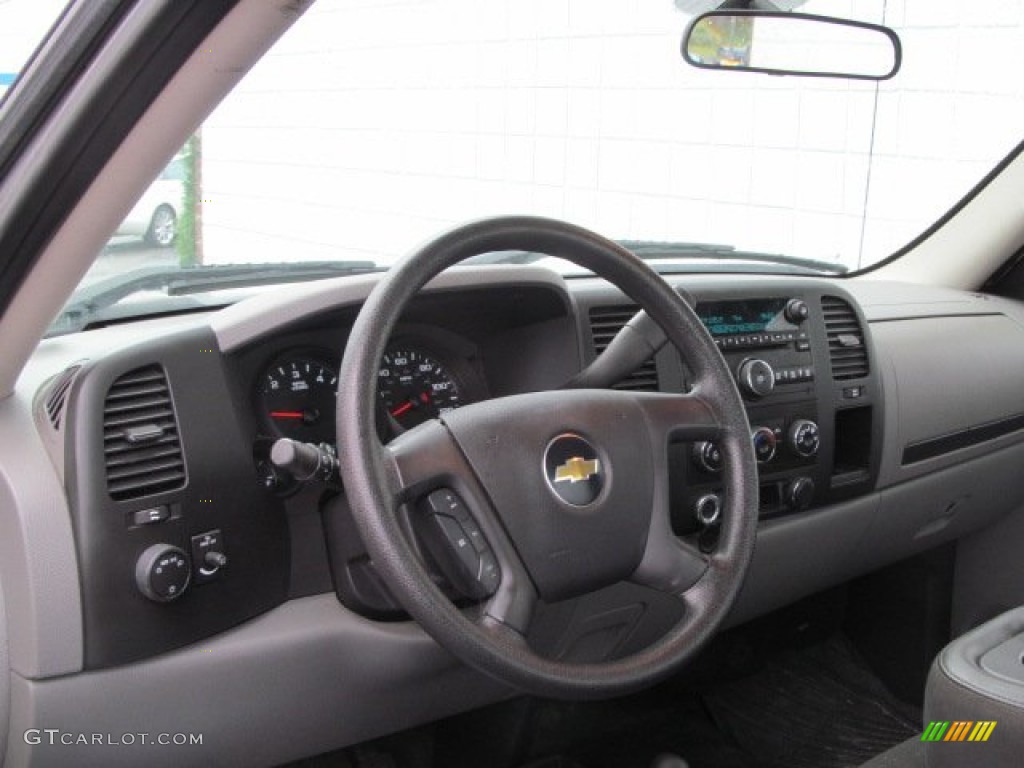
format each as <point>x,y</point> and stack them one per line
<point>415,387</point>
<point>298,395</point>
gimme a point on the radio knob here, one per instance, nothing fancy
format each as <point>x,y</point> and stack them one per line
<point>708,457</point>
<point>708,509</point>
<point>804,438</point>
<point>797,311</point>
<point>756,377</point>
<point>764,441</point>
<point>800,493</point>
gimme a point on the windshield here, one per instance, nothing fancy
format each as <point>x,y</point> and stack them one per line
<point>372,127</point>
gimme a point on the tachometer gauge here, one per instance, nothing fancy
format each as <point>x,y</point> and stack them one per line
<point>415,387</point>
<point>298,395</point>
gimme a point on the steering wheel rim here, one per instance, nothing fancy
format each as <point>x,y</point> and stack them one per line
<point>457,453</point>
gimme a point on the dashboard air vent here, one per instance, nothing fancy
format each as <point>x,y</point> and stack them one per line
<point>141,446</point>
<point>846,349</point>
<point>57,398</point>
<point>605,322</point>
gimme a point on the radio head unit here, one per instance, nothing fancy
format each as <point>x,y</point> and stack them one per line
<point>759,322</point>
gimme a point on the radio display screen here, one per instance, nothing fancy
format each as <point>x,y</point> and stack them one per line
<point>724,318</point>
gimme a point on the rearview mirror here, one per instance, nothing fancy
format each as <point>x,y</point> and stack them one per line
<point>792,44</point>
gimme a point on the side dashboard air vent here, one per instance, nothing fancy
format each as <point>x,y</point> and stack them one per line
<point>605,322</point>
<point>846,348</point>
<point>141,446</point>
<point>57,397</point>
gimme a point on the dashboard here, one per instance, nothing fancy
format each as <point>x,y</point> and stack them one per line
<point>160,434</point>
<point>184,511</point>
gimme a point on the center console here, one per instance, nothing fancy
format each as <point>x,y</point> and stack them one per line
<point>974,701</point>
<point>802,362</point>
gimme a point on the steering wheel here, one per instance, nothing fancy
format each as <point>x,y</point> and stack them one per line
<point>569,488</point>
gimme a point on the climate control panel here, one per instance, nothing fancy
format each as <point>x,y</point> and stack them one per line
<point>765,442</point>
<point>801,440</point>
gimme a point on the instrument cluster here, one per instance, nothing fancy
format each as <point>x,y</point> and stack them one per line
<point>422,375</point>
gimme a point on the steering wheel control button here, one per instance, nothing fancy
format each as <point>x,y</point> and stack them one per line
<point>150,515</point>
<point>163,572</point>
<point>764,441</point>
<point>708,457</point>
<point>804,438</point>
<point>447,502</point>
<point>574,472</point>
<point>756,378</point>
<point>708,509</point>
<point>208,556</point>
<point>489,575</point>
<point>476,536</point>
<point>458,545</point>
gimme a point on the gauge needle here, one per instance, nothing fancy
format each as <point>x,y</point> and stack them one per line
<point>406,406</point>
<point>286,414</point>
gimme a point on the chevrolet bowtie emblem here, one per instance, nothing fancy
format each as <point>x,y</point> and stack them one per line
<point>571,474</point>
<point>577,469</point>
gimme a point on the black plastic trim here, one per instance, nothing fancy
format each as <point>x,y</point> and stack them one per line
<point>965,438</point>
<point>222,493</point>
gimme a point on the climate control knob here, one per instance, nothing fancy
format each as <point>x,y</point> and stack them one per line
<point>708,457</point>
<point>804,438</point>
<point>756,377</point>
<point>162,572</point>
<point>800,493</point>
<point>764,441</point>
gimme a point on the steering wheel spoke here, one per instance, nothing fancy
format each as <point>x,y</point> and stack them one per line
<point>683,418</point>
<point>671,564</point>
<point>427,470</point>
<point>510,609</point>
<point>422,460</point>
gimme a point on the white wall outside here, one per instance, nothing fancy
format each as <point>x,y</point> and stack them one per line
<point>340,145</point>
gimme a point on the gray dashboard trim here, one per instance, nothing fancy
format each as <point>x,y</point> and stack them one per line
<point>885,300</point>
<point>945,386</point>
<point>249,320</point>
<point>305,678</point>
<point>799,555</point>
<point>5,677</point>
<point>38,566</point>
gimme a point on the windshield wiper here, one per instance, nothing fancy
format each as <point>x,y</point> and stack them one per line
<point>653,250</point>
<point>89,303</point>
